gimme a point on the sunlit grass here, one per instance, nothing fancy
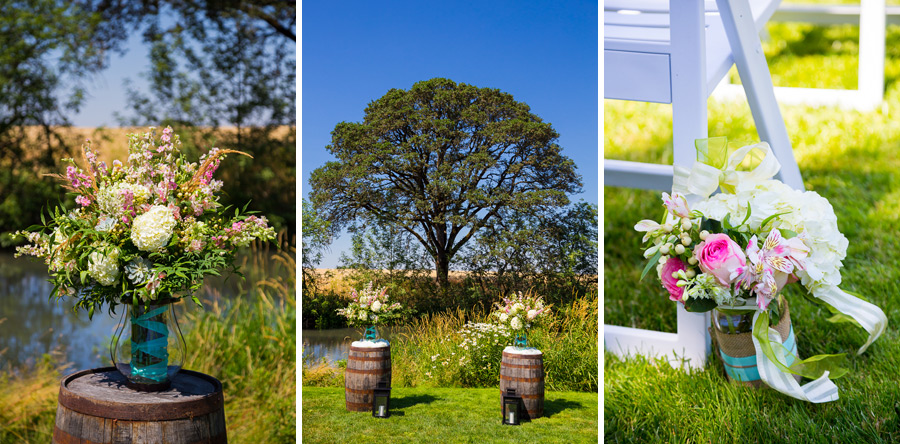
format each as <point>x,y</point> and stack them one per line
<point>450,415</point>
<point>850,158</point>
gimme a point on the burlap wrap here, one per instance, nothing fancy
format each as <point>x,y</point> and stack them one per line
<point>740,345</point>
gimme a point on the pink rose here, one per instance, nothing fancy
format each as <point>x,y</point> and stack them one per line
<point>672,265</point>
<point>719,255</point>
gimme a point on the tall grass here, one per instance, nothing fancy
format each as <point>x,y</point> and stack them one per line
<point>248,344</point>
<point>431,352</point>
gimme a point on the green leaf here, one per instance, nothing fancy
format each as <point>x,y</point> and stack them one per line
<point>699,305</point>
<point>769,219</point>
<point>787,234</point>
<point>711,225</point>
<point>747,217</point>
<point>651,263</point>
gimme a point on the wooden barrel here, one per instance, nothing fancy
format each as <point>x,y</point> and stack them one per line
<point>366,366</point>
<point>95,406</point>
<point>524,371</point>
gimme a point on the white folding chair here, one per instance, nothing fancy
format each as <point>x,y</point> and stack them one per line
<point>871,16</point>
<point>678,56</point>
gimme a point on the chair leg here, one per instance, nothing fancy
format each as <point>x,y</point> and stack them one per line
<point>689,92</point>
<point>754,71</point>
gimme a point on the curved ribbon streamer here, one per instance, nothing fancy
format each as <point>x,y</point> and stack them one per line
<point>703,178</point>
<point>817,391</point>
<point>156,347</point>
<point>869,316</point>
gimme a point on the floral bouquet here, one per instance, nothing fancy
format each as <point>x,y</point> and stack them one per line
<point>735,251</point>
<point>370,307</point>
<point>519,312</point>
<point>144,233</point>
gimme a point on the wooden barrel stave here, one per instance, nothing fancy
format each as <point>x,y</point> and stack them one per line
<point>366,367</point>
<point>95,406</point>
<point>525,373</point>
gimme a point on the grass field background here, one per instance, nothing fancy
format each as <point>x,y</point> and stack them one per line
<point>851,158</point>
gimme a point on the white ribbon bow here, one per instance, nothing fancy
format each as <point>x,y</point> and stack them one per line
<point>703,180</point>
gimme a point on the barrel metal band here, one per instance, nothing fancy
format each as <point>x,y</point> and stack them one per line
<point>368,372</point>
<point>510,378</point>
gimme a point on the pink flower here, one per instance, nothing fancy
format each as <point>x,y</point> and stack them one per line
<point>83,201</point>
<point>720,256</point>
<point>676,204</point>
<point>672,265</point>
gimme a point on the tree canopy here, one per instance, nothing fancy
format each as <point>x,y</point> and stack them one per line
<point>442,160</point>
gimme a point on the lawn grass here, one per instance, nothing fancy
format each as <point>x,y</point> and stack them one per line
<point>446,415</point>
<point>851,158</point>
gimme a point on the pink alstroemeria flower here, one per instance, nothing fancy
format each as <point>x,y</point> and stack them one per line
<point>771,267</point>
<point>676,204</point>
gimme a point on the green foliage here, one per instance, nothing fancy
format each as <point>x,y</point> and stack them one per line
<point>447,415</point>
<point>442,160</point>
<point>438,350</point>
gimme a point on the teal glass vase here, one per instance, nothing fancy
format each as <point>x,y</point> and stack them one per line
<point>148,347</point>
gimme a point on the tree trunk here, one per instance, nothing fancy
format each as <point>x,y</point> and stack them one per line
<point>442,268</point>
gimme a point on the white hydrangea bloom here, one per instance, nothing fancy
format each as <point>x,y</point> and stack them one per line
<point>152,230</point>
<point>376,306</point>
<point>504,317</point>
<point>806,213</point>
<point>104,268</point>
<point>515,323</point>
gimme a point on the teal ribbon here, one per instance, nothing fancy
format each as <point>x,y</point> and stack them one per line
<point>521,340</point>
<point>745,369</point>
<point>156,347</point>
<point>371,334</point>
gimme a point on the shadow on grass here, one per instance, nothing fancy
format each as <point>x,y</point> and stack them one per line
<point>409,401</point>
<point>557,405</point>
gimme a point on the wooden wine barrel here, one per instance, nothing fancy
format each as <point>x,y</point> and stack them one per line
<point>366,366</point>
<point>95,406</point>
<point>524,371</point>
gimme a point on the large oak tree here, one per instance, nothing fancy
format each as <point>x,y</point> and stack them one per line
<point>442,160</point>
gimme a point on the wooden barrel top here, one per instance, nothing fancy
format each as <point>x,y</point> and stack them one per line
<point>102,392</point>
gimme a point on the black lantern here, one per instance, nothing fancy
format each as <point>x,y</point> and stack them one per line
<point>381,407</point>
<point>512,407</point>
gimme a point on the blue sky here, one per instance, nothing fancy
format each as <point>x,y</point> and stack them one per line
<point>543,53</point>
<point>106,92</point>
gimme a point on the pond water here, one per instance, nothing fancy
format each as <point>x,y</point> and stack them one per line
<point>334,344</point>
<point>32,324</point>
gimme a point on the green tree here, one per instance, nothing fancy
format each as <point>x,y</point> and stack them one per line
<point>442,160</point>
<point>316,236</point>
<point>48,48</point>
<point>553,251</point>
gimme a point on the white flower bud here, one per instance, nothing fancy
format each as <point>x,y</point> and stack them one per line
<point>703,234</point>
<point>692,260</point>
<point>663,259</point>
<point>679,249</point>
<point>686,224</point>
<point>685,241</point>
<point>665,248</point>
<point>668,228</point>
<point>690,273</point>
<point>681,283</point>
